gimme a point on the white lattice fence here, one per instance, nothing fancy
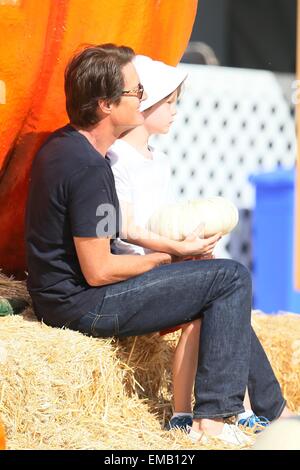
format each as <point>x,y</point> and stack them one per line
<point>230,123</point>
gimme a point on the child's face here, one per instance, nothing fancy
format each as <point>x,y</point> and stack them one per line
<point>160,116</point>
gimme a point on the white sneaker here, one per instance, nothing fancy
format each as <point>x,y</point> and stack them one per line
<point>230,434</point>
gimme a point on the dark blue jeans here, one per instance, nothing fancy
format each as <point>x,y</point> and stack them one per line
<point>230,357</point>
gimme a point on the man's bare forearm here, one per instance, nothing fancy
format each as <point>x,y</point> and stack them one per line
<point>121,267</point>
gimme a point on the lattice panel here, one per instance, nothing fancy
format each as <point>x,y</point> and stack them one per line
<point>230,123</point>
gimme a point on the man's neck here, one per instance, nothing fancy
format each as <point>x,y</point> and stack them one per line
<point>100,136</point>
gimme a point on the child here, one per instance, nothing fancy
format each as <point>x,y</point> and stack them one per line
<point>142,175</point>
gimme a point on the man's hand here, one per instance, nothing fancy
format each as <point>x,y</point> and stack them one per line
<point>160,258</point>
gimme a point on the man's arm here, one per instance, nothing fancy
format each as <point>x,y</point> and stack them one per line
<point>100,267</point>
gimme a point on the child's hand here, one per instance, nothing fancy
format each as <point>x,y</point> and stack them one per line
<point>194,246</point>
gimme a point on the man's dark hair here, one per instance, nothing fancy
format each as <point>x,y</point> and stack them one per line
<point>92,74</point>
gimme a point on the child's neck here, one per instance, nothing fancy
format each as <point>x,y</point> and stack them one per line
<point>138,138</point>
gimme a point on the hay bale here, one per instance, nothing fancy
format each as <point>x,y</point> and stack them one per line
<point>9,287</point>
<point>14,297</point>
<point>60,389</point>
<point>280,336</point>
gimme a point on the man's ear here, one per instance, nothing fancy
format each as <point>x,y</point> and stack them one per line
<point>105,106</point>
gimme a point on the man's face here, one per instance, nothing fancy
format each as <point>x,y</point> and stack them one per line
<point>126,115</point>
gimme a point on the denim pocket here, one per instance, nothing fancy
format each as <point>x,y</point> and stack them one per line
<point>104,326</point>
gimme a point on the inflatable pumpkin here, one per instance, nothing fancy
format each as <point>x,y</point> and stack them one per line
<point>39,38</point>
<point>2,437</point>
<point>208,216</point>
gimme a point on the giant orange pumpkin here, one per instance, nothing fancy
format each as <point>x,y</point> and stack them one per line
<point>37,39</point>
<point>2,437</point>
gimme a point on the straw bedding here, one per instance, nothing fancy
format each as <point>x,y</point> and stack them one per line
<point>60,389</point>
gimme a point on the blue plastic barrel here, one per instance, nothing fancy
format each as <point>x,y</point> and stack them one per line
<point>273,242</point>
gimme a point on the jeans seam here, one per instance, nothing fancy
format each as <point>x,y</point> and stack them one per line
<point>94,322</point>
<point>280,410</point>
<point>107,296</point>
<point>116,323</point>
<point>117,326</point>
<point>141,287</point>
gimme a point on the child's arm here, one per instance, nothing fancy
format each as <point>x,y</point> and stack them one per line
<point>137,235</point>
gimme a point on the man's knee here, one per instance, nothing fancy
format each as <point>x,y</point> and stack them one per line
<point>238,271</point>
<point>243,274</point>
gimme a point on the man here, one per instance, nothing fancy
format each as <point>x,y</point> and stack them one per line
<point>75,281</point>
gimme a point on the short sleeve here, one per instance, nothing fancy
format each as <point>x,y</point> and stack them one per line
<point>122,181</point>
<point>91,207</point>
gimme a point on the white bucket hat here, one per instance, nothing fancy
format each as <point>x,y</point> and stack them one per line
<point>158,79</point>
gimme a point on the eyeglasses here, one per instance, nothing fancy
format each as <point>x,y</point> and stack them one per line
<point>138,91</point>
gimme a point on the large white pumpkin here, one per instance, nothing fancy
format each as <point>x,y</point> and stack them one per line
<point>208,215</point>
<point>283,434</point>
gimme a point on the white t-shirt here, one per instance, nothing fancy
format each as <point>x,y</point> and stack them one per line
<point>144,183</point>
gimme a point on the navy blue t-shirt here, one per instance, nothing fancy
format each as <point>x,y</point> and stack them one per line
<point>70,185</point>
